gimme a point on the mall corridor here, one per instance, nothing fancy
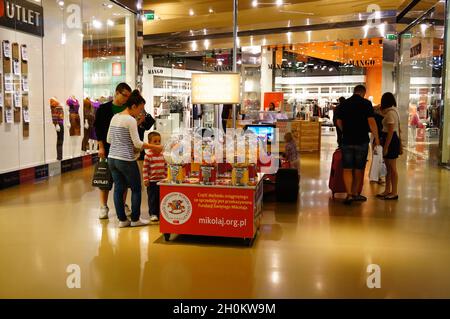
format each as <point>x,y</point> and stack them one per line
<point>316,249</point>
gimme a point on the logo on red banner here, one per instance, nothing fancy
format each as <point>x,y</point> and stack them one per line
<point>176,208</point>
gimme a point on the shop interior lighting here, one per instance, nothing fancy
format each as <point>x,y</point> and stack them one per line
<point>110,23</point>
<point>191,12</point>
<point>194,46</point>
<point>255,3</point>
<point>204,31</point>
<point>206,44</point>
<point>279,3</point>
<point>61,3</point>
<point>97,24</point>
<point>264,42</point>
<point>211,10</point>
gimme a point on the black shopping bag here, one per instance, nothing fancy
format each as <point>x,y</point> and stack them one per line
<point>102,176</point>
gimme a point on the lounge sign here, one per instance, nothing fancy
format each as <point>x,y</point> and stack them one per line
<point>22,16</point>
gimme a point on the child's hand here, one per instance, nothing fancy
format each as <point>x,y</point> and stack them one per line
<point>146,183</point>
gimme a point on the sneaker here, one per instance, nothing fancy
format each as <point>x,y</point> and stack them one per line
<point>103,212</point>
<point>154,218</point>
<point>140,222</point>
<point>124,224</point>
<point>127,210</point>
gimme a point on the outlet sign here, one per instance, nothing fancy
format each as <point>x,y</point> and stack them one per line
<point>22,16</point>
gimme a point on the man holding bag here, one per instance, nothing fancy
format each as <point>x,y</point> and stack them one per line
<point>103,119</point>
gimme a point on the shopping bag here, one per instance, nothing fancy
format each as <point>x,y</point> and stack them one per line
<point>102,176</point>
<point>377,163</point>
<point>383,171</point>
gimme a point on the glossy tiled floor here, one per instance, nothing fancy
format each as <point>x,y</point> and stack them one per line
<point>316,249</point>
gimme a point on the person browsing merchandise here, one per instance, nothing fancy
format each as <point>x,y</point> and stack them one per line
<point>124,139</point>
<point>102,121</point>
<point>153,171</point>
<point>355,118</point>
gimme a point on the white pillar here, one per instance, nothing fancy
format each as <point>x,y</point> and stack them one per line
<point>266,73</point>
<point>130,50</point>
<point>147,84</point>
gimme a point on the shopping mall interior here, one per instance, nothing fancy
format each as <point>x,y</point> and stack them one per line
<point>240,229</point>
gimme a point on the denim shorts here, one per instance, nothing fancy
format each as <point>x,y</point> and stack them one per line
<point>355,156</point>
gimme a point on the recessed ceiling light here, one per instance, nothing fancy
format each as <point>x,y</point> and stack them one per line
<point>110,23</point>
<point>110,6</point>
<point>255,3</point>
<point>191,12</point>
<point>60,3</point>
<point>211,10</point>
<point>279,2</point>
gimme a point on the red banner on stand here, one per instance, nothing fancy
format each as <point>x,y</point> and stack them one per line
<point>209,211</point>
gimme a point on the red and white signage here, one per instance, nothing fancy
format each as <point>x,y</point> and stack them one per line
<point>210,211</point>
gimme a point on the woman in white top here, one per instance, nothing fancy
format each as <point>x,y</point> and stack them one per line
<point>124,151</point>
<point>392,145</point>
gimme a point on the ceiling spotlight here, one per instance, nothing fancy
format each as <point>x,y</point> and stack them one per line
<point>109,6</point>
<point>255,3</point>
<point>279,2</point>
<point>110,23</point>
<point>211,10</point>
<point>61,3</point>
<point>191,12</point>
<point>97,24</point>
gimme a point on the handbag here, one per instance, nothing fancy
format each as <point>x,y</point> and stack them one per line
<point>102,175</point>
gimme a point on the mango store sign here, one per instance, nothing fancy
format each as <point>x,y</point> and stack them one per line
<point>22,16</point>
<point>216,88</point>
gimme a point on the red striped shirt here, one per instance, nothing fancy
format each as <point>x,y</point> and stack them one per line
<point>154,168</point>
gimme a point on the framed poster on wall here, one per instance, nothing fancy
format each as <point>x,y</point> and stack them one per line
<point>6,49</point>
<point>9,115</point>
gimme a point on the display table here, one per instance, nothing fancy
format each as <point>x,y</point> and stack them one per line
<point>211,210</point>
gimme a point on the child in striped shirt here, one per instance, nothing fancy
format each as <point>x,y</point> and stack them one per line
<point>154,170</point>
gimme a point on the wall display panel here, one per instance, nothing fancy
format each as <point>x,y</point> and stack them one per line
<point>22,141</point>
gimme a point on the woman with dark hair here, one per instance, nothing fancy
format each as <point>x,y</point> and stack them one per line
<point>125,148</point>
<point>392,145</point>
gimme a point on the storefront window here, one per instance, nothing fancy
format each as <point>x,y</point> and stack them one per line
<point>420,84</point>
<point>73,53</point>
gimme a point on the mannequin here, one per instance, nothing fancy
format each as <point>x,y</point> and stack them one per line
<point>58,121</point>
<point>74,124</point>
<point>88,115</point>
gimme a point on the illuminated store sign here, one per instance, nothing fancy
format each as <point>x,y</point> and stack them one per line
<point>22,16</point>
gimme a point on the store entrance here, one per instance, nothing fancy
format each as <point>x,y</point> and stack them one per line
<point>420,84</point>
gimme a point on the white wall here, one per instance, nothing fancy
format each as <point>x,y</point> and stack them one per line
<point>388,79</point>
